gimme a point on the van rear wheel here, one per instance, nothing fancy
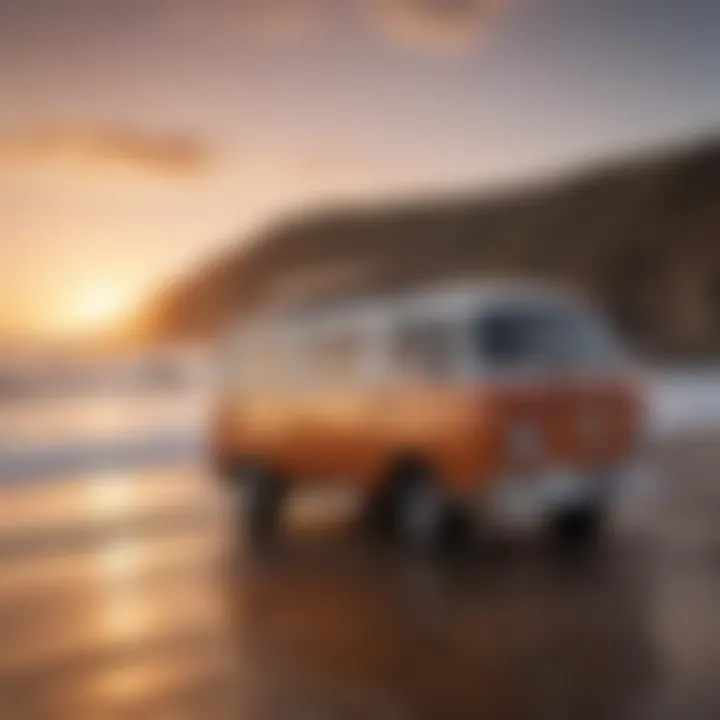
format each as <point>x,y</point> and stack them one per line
<point>379,511</point>
<point>259,495</point>
<point>422,513</point>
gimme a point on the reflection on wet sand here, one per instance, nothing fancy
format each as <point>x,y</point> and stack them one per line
<point>530,635</point>
<point>106,608</point>
<point>133,596</point>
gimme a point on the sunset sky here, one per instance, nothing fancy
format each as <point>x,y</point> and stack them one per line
<point>136,136</point>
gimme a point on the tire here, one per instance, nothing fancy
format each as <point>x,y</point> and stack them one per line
<point>422,512</point>
<point>379,512</point>
<point>580,526</point>
<point>224,470</point>
<point>260,495</point>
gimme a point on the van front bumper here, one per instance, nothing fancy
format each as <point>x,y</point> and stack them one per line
<point>560,490</point>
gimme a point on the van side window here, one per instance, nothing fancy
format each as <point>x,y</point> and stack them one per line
<point>424,350</point>
<point>336,357</point>
<point>262,363</point>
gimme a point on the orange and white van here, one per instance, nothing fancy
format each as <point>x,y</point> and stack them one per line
<point>501,399</point>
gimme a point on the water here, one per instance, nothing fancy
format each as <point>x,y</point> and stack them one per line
<point>56,435</point>
<point>50,436</point>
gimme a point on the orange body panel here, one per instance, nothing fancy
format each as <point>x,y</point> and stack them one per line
<point>465,431</point>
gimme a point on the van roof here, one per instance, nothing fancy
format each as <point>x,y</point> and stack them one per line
<point>448,298</point>
<point>472,296</point>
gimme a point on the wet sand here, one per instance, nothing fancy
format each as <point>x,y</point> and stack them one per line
<point>132,595</point>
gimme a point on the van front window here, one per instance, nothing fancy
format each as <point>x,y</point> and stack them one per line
<point>530,337</point>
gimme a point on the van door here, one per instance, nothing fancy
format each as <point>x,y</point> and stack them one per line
<point>335,413</point>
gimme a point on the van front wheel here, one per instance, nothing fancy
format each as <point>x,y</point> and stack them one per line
<point>580,526</point>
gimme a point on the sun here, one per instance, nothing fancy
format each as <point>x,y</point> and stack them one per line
<point>100,307</point>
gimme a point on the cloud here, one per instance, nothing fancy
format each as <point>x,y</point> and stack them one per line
<point>435,25</point>
<point>248,20</point>
<point>104,149</point>
<point>440,25</point>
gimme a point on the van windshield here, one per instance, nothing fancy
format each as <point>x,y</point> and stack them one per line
<point>543,337</point>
